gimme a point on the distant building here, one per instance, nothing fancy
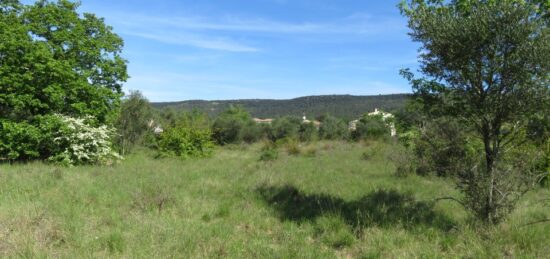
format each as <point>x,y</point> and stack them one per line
<point>317,124</point>
<point>268,121</point>
<point>157,129</point>
<point>353,125</point>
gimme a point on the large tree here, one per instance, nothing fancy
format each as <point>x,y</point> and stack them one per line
<point>487,64</point>
<point>55,60</point>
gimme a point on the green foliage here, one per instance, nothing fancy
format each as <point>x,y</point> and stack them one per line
<point>332,128</point>
<point>292,147</point>
<point>443,148</point>
<point>269,151</point>
<point>186,142</point>
<point>233,126</point>
<point>287,127</point>
<point>307,132</point>
<point>55,60</point>
<point>57,138</point>
<point>371,127</point>
<point>19,141</point>
<point>133,121</point>
<point>486,65</point>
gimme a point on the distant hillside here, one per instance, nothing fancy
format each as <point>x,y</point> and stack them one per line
<point>344,106</point>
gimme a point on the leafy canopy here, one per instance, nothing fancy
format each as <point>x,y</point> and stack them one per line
<point>486,64</point>
<point>55,60</point>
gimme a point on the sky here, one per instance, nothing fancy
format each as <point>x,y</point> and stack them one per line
<point>270,49</point>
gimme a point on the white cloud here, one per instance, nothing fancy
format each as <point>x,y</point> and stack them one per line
<point>193,40</point>
<point>353,24</point>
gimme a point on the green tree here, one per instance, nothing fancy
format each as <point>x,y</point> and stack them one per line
<point>371,127</point>
<point>285,127</point>
<point>487,64</point>
<point>55,60</point>
<point>332,128</point>
<point>233,126</point>
<point>133,121</point>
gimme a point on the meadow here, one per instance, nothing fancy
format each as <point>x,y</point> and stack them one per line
<point>333,200</point>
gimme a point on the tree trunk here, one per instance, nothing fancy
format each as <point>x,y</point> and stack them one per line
<point>489,160</point>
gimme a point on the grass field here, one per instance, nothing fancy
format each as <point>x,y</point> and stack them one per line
<point>330,202</point>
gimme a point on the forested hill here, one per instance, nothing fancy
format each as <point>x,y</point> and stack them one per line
<point>344,106</point>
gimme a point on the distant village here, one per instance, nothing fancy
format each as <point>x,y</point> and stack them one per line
<point>386,116</point>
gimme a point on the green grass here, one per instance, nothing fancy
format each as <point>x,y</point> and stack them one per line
<point>330,201</point>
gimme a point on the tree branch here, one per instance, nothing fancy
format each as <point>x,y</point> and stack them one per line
<point>452,199</point>
<point>535,222</point>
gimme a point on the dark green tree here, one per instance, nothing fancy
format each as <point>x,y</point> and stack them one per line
<point>233,126</point>
<point>487,64</point>
<point>333,128</point>
<point>285,127</point>
<point>371,127</point>
<point>133,122</point>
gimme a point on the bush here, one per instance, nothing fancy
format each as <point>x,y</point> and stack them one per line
<point>404,161</point>
<point>332,128</point>
<point>79,142</point>
<point>293,147</point>
<point>285,128</point>
<point>251,132</point>
<point>269,154</point>
<point>57,138</point>
<point>19,141</point>
<point>185,142</point>
<point>371,127</point>
<point>269,151</point>
<point>307,132</point>
<point>234,126</point>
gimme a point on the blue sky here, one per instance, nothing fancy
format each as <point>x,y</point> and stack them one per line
<point>233,49</point>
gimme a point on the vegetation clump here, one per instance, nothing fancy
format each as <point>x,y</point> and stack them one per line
<point>186,142</point>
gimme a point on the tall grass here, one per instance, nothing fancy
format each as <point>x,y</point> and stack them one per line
<point>332,204</point>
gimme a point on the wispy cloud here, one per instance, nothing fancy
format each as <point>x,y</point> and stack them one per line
<point>358,23</point>
<point>193,40</point>
<point>227,33</point>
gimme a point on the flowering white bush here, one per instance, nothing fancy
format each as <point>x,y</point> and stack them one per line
<point>81,143</point>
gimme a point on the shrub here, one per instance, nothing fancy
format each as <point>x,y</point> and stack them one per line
<point>269,151</point>
<point>57,138</point>
<point>371,127</point>
<point>186,142</point>
<point>332,128</point>
<point>293,147</point>
<point>78,142</point>
<point>234,126</point>
<point>19,141</point>
<point>285,128</point>
<point>269,155</point>
<point>251,132</point>
<point>404,161</point>
<point>307,132</point>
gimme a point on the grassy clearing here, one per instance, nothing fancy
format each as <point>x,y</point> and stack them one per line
<point>329,200</point>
